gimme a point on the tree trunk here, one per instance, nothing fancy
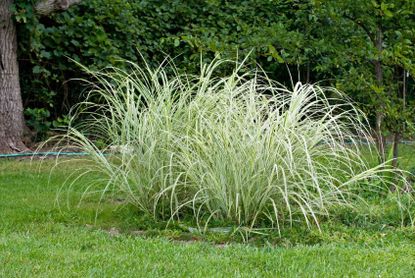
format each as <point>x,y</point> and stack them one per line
<point>395,146</point>
<point>308,73</point>
<point>380,139</point>
<point>11,108</point>
<point>399,131</point>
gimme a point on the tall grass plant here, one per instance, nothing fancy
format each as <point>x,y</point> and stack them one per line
<point>241,149</point>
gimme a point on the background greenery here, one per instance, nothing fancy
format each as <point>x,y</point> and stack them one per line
<point>326,41</point>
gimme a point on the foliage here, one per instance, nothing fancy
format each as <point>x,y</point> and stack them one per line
<point>99,33</point>
<point>240,148</point>
<point>372,31</point>
<point>315,40</point>
<point>96,33</point>
<point>37,119</point>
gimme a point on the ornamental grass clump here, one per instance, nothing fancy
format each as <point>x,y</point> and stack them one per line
<point>241,149</point>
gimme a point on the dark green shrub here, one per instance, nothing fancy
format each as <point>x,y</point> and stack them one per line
<point>99,33</point>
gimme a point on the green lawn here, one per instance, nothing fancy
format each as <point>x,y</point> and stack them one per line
<point>38,238</point>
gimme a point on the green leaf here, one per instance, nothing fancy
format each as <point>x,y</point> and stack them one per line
<point>37,69</point>
<point>45,54</point>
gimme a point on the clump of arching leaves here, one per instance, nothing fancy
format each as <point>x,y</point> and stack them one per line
<point>241,149</point>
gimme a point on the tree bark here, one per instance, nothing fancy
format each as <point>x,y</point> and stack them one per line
<point>398,134</point>
<point>11,108</point>
<point>380,139</point>
<point>395,150</point>
<point>45,7</point>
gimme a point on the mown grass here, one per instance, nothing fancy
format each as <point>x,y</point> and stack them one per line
<point>38,238</point>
